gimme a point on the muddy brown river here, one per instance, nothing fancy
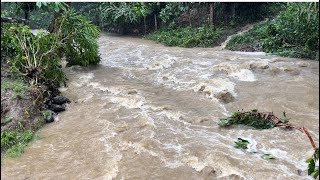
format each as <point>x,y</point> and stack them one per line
<point>151,112</point>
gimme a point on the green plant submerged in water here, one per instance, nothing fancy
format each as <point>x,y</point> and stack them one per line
<point>241,143</point>
<point>313,164</point>
<point>259,120</point>
<point>266,120</point>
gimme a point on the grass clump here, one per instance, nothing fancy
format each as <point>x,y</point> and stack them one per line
<point>15,142</point>
<point>187,37</point>
<point>18,87</point>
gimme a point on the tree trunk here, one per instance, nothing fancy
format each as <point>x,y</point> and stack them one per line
<point>26,15</point>
<point>13,20</point>
<point>189,17</point>
<point>155,22</point>
<point>145,25</point>
<point>233,13</point>
<point>212,15</point>
<point>233,10</point>
<point>53,25</point>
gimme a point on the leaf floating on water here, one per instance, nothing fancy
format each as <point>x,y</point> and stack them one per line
<point>268,156</point>
<point>241,143</point>
<point>284,120</point>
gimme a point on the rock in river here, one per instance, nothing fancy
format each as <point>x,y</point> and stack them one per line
<point>57,107</point>
<point>50,116</point>
<point>60,100</point>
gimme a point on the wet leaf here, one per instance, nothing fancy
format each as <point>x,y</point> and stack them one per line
<point>316,174</point>
<point>241,143</point>
<point>268,156</point>
<point>284,120</point>
<point>313,167</point>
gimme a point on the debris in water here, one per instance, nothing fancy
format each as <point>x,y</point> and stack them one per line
<point>268,156</point>
<point>266,120</point>
<point>241,143</point>
<point>313,164</point>
<point>259,120</point>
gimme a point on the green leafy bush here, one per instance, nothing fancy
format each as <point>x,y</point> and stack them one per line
<point>79,36</point>
<point>124,13</point>
<point>294,33</point>
<point>9,138</point>
<point>34,56</point>
<point>249,40</point>
<point>188,37</point>
<point>14,142</point>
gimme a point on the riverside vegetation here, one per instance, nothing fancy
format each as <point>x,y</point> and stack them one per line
<point>31,63</point>
<point>31,69</point>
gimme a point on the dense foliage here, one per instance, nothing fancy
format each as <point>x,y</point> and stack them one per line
<point>15,142</point>
<point>80,39</point>
<point>171,11</point>
<point>249,41</point>
<point>187,37</point>
<point>38,56</point>
<point>294,33</point>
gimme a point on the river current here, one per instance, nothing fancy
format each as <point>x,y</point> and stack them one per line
<point>150,112</point>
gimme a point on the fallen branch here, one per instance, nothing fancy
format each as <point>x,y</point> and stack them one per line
<point>266,120</point>
<point>14,20</point>
<point>310,138</point>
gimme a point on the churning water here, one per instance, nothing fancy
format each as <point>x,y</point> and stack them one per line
<point>151,112</point>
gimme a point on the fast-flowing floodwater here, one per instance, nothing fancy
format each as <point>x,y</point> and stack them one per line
<point>151,112</point>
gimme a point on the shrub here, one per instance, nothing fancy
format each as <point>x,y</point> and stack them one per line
<point>252,38</point>
<point>79,36</point>
<point>34,56</point>
<point>14,142</point>
<point>188,37</point>
<point>9,138</point>
<point>294,33</point>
